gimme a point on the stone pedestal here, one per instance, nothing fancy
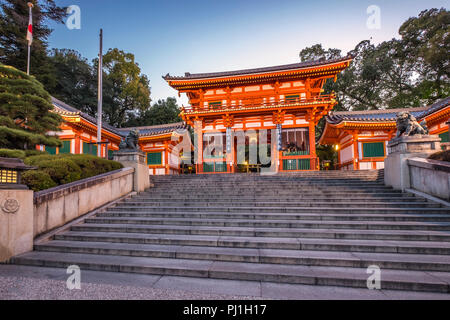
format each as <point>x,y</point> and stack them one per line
<point>135,159</point>
<point>396,171</point>
<point>16,223</point>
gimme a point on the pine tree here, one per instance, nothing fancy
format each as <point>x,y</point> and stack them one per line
<point>13,43</point>
<point>25,111</point>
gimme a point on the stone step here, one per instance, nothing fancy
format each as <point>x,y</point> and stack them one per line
<point>268,187</point>
<point>330,196</point>
<point>360,225</point>
<point>272,193</point>
<point>432,218</point>
<point>270,184</point>
<point>217,203</point>
<point>414,235</point>
<point>313,275</point>
<point>298,198</point>
<point>287,257</point>
<point>280,209</point>
<point>345,245</point>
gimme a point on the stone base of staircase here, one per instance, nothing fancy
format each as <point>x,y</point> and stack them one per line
<point>311,228</point>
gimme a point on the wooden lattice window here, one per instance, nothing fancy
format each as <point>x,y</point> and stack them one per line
<point>373,150</point>
<point>154,158</point>
<point>65,147</point>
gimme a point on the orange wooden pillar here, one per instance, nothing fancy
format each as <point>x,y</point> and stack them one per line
<point>312,143</point>
<point>230,155</point>
<point>198,130</point>
<point>78,144</point>
<point>355,151</point>
<point>166,158</point>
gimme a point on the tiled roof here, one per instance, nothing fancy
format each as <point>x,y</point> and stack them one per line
<point>389,115</point>
<point>189,76</point>
<point>436,107</point>
<point>155,130</point>
<point>65,109</point>
<point>371,116</point>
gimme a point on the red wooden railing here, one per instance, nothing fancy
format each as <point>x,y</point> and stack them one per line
<point>259,102</point>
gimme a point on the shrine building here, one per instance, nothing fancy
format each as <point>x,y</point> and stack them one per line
<point>361,137</point>
<point>79,136</point>
<point>273,110</point>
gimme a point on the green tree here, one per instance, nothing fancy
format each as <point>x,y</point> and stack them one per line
<point>407,72</point>
<point>76,80</point>
<point>161,112</point>
<point>13,43</point>
<point>126,90</point>
<point>25,111</point>
<point>426,46</point>
<point>317,52</point>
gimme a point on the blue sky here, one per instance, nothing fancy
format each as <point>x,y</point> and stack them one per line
<point>218,35</point>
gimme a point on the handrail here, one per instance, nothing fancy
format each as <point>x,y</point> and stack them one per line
<point>262,102</point>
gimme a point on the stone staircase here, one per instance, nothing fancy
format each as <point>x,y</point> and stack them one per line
<point>321,228</point>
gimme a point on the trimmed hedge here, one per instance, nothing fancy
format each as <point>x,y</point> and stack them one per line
<point>38,180</point>
<point>61,171</point>
<point>441,156</point>
<point>54,170</point>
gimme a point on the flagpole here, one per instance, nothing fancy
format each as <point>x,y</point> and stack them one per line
<point>30,5</point>
<point>100,97</point>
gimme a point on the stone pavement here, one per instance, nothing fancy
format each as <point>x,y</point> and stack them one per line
<point>37,283</point>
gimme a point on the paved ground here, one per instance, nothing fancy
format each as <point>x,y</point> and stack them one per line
<point>20,282</point>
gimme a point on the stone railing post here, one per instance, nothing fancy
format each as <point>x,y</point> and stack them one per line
<point>135,159</point>
<point>396,171</point>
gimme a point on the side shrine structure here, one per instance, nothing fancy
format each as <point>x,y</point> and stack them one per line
<point>361,137</point>
<point>79,136</point>
<point>273,110</point>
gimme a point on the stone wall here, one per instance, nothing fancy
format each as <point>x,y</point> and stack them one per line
<point>431,177</point>
<point>55,207</point>
<point>16,225</point>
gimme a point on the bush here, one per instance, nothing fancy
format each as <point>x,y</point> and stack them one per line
<point>441,156</point>
<point>36,160</point>
<point>38,180</point>
<point>66,168</point>
<point>30,153</point>
<point>8,153</point>
<point>61,171</point>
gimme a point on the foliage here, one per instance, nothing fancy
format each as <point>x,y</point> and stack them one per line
<point>38,180</point>
<point>76,80</point>
<point>21,154</point>
<point>407,72</point>
<point>125,89</point>
<point>426,47</point>
<point>66,168</point>
<point>441,156</point>
<point>161,112</point>
<point>7,153</point>
<point>25,111</point>
<point>61,171</point>
<point>13,43</point>
<point>327,152</point>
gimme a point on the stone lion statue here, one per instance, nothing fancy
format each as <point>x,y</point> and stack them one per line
<point>407,125</point>
<point>131,141</point>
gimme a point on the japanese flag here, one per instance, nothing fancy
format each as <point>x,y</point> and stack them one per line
<point>30,30</point>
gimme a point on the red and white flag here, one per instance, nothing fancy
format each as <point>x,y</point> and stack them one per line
<point>30,29</point>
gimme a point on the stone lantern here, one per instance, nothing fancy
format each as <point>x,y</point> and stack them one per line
<point>11,170</point>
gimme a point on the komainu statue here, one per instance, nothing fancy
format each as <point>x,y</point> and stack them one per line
<point>131,141</point>
<point>407,125</point>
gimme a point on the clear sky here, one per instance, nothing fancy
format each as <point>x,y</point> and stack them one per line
<point>195,36</point>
